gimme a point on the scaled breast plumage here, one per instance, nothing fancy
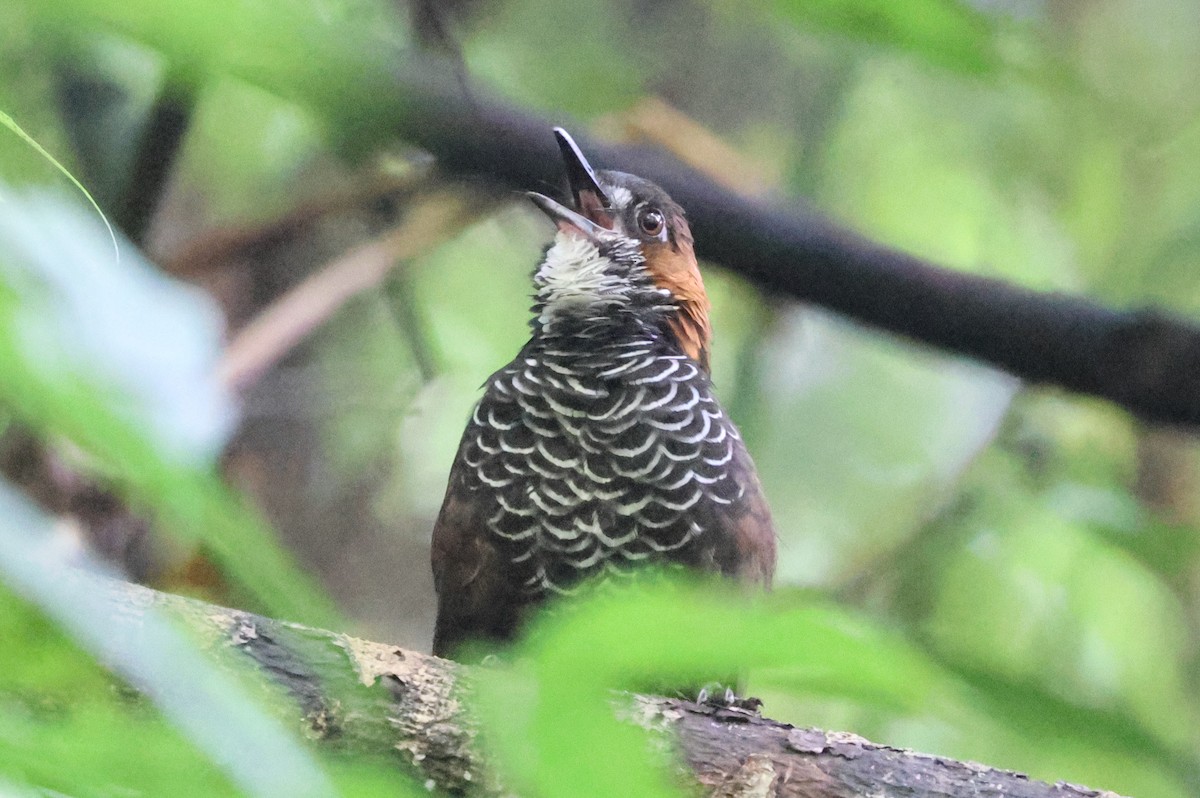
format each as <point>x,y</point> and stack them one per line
<point>594,462</point>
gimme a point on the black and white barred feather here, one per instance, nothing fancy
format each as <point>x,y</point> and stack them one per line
<point>593,454</point>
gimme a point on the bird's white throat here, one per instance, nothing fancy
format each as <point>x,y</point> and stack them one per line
<point>574,275</point>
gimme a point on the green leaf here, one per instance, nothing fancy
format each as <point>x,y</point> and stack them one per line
<point>1032,597</point>
<point>531,51</point>
<point>547,730</point>
<point>947,33</point>
<point>336,58</point>
<point>209,706</point>
<point>11,124</point>
<point>119,360</point>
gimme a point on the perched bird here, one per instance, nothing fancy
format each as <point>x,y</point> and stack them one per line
<point>600,447</point>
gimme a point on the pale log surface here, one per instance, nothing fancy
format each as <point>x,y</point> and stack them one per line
<point>373,698</point>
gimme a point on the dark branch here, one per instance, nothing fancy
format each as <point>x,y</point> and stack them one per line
<point>155,157</point>
<point>1144,360</point>
<point>102,118</point>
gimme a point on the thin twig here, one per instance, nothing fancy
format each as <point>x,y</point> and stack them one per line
<point>292,317</point>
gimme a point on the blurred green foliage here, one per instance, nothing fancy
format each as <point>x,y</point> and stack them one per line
<point>966,568</point>
<point>664,637</point>
<point>152,427</point>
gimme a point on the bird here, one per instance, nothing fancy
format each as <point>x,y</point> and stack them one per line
<point>600,448</point>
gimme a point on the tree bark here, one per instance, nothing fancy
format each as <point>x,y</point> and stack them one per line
<point>376,699</point>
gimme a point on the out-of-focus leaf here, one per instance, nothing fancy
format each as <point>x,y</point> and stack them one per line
<point>1051,605</point>
<point>851,479</point>
<point>1098,201</point>
<point>245,149</point>
<point>119,360</point>
<point>1135,178</point>
<point>922,164</point>
<point>95,746</point>
<point>1159,233</point>
<point>215,713</point>
<point>548,731</point>
<point>540,59</point>
<point>1145,56</point>
<point>338,58</point>
<point>948,33</point>
<point>839,503</point>
<point>8,122</point>
<point>1021,589</point>
<point>152,341</point>
<point>25,88</point>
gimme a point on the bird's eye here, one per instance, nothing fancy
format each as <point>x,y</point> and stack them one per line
<point>651,221</point>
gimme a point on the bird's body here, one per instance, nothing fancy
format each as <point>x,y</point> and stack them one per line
<point>600,447</point>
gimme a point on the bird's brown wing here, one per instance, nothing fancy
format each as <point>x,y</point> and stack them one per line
<point>475,599</point>
<point>753,531</point>
<point>740,542</point>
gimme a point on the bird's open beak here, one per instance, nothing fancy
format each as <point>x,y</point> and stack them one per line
<point>566,219</point>
<point>590,200</point>
<point>591,215</point>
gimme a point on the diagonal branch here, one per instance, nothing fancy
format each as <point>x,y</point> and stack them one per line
<point>1144,360</point>
<point>375,699</point>
<point>292,317</point>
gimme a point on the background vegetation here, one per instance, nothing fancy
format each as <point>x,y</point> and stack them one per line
<point>968,566</point>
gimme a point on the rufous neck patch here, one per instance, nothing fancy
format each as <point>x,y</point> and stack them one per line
<point>672,266</point>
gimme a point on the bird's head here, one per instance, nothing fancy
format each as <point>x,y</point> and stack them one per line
<point>622,245</point>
